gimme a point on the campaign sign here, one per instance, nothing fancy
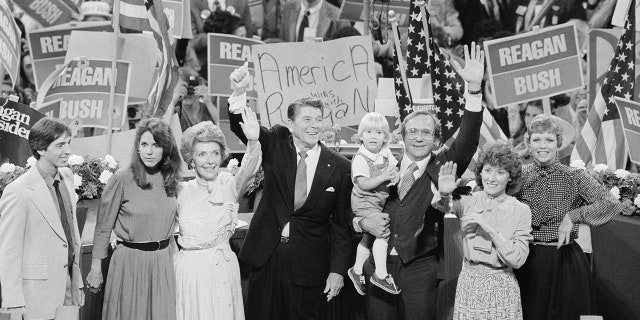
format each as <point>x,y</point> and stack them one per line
<point>179,17</point>
<point>339,72</point>
<point>353,10</point>
<point>9,43</point>
<point>534,65</point>
<point>49,12</point>
<point>78,94</point>
<point>602,46</point>
<point>48,46</point>
<point>16,120</point>
<point>226,53</point>
<point>630,115</point>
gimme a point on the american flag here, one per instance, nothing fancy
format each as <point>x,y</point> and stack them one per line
<point>447,85</point>
<point>602,137</point>
<point>147,15</point>
<point>403,95</point>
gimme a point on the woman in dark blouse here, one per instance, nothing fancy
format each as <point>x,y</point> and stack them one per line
<point>555,281</point>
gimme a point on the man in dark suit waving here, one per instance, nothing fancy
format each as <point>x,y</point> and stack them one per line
<point>298,244</point>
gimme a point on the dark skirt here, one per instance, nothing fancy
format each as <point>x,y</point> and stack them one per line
<point>556,284</point>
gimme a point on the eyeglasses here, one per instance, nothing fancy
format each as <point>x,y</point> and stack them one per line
<point>414,133</point>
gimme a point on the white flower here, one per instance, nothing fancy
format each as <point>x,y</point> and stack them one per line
<point>110,161</point>
<point>615,191</point>
<point>77,180</point>
<point>7,168</point>
<point>636,201</point>
<point>622,174</point>
<point>233,163</point>
<point>600,167</point>
<point>75,159</point>
<point>105,176</point>
<point>31,162</point>
<point>578,164</point>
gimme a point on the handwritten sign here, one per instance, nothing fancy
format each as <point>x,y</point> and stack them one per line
<point>49,12</point>
<point>9,43</point>
<point>353,10</point>
<point>630,114</point>
<point>602,46</point>
<point>338,72</point>
<point>78,93</point>
<point>226,53</point>
<point>178,14</point>
<point>48,46</point>
<point>16,120</point>
<point>534,65</point>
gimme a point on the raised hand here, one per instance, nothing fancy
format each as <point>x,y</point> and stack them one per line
<point>473,71</point>
<point>249,124</point>
<point>447,178</point>
<point>240,79</point>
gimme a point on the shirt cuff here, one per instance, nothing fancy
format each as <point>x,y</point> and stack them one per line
<point>13,310</point>
<point>237,103</point>
<point>356,224</point>
<point>473,102</point>
<point>499,240</point>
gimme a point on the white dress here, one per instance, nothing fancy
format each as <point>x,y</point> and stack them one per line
<point>207,271</point>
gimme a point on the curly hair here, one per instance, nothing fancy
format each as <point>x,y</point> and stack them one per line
<point>500,154</point>
<point>543,123</point>
<point>202,132</point>
<point>169,166</point>
<point>222,22</point>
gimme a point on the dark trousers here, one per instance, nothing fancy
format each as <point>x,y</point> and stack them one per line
<point>556,284</point>
<point>273,295</point>
<point>418,283</point>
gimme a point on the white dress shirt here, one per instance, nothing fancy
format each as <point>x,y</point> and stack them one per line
<point>314,16</point>
<point>223,4</point>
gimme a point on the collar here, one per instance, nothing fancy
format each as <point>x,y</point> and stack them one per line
<point>312,10</point>
<point>313,151</point>
<point>384,152</point>
<point>422,164</point>
<point>554,166</point>
<point>499,199</point>
<point>204,184</point>
<point>47,178</point>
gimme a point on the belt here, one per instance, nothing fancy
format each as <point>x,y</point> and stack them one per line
<point>146,246</point>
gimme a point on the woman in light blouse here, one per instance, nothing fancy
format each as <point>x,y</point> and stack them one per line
<point>496,232</point>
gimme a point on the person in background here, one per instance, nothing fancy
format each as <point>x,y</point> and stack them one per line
<point>139,204</point>
<point>555,281</point>
<point>191,101</point>
<point>237,8</point>
<point>299,240</point>
<point>496,232</point>
<point>207,271</point>
<point>445,23</point>
<point>27,80</point>
<point>39,239</point>
<point>319,17</point>
<point>95,11</point>
<point>531,110</point>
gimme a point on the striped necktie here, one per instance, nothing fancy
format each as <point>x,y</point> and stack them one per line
<point>407,180</point>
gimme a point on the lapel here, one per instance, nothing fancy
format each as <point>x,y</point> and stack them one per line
<point>324,170</point>
<point>68,181</point>
<point>290,166</point>
<point>293,21</point>
<point>44,202</point>
<point>324,20</point>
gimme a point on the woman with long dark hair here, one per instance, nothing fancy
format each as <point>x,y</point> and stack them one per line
<point>139,204</point>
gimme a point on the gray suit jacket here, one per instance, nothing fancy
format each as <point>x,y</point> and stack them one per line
<point>328,23</point>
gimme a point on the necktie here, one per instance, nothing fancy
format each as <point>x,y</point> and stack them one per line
<point>65,225</point>
<point>303,24</point>
<point>407,180</point>
<point>301,182</point>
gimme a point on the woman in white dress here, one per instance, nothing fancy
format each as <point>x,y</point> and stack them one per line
<point>207,271</point>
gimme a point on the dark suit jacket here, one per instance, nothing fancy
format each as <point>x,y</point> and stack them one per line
<point>561,11</point>
<point>416,227</point>
<point>472,12</point>
<point>319,231</point>
<point>328,22</point>
<point>241,6</point>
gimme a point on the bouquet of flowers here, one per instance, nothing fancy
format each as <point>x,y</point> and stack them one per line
<point>90,175</point>
<point>624,185</point>
<point>8,173</point>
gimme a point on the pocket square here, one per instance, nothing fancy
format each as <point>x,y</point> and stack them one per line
<point>330,189</point>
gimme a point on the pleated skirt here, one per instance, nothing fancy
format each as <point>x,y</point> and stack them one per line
<point>208,285</point>
<point>140,285</point>
<point>486,294</point>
